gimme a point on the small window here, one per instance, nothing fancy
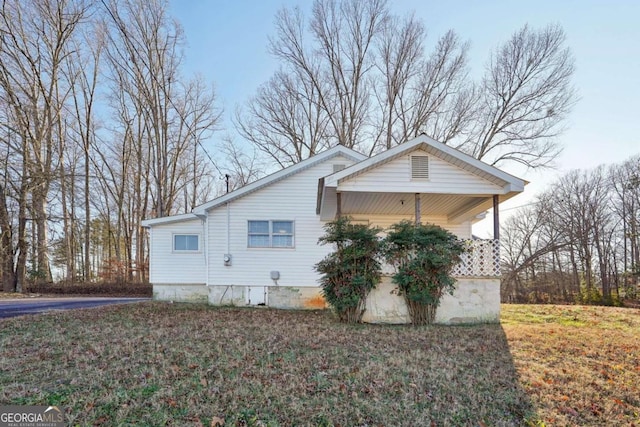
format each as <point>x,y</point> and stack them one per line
<point>186,242</point>
<point>338,167</point>
<point>419,167</point>
<point>270,234</point>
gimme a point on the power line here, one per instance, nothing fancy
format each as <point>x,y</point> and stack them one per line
<point>520,206</point>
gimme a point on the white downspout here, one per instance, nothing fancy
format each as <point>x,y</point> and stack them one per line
<point>228,227</point>
<point>205,244</point>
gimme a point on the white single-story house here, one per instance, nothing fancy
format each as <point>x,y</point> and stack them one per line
<point>258,245</point>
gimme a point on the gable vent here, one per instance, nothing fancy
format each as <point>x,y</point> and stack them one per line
<point>338,167</point>
<point>420,167</point>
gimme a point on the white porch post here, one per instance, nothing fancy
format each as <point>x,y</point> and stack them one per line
<point>496,217</point>
<point>418,219</point>
<point>338,205</point>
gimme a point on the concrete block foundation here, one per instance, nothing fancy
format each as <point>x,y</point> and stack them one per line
<point>227,295</point>
<point>473,301</point>
<point>288,297</point>
<point>190,292</point>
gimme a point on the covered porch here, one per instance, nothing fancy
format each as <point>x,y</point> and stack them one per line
<point>454,212</point>
<point>428,182</point>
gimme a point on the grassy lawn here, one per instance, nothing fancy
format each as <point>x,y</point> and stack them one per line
<point>176,364</point>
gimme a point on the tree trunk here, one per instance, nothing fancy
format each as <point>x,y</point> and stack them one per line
<point>6,246</point>
<point>42,245</point>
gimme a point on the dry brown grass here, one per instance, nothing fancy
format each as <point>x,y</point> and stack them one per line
<point>14,295</point>
<point>177,364</point>
<point>580,365</point>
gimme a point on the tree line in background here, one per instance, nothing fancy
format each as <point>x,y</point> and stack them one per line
<point>579,241</point>
<point>100,129</point>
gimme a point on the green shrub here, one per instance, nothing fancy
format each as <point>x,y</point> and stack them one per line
<point>423,256</point>
<point>352,270</point>
<point>593,296</point>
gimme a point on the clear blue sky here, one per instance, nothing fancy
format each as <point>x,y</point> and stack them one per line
<point>227,43</point>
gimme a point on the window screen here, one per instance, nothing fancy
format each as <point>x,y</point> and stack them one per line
<point>270,234</point>
<point>185,242</point>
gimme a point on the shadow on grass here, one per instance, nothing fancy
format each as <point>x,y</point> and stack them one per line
<point>517,401</point>
<point>461,375</point>
<point>177,364</point>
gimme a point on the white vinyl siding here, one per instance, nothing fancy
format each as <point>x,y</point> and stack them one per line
<point>170,266</point>
<point>444,178</point>
<point>292,199</point>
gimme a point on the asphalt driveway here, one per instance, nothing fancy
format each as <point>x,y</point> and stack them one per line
<point>20,307</point>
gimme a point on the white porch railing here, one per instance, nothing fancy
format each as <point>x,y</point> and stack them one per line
<point>482,259</point>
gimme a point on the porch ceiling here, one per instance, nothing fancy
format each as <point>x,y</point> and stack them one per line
<point>451,205</point>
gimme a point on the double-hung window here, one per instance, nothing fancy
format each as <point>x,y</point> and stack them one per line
<point>270,234</point>
<point>186,243</point>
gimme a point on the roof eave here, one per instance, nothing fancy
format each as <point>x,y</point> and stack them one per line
<point>148,223</point>
<point>400,149</point>
<point>279,175</point>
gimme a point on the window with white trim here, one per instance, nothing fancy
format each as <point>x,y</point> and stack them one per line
<point>186,242</point>
<point>270,234</point>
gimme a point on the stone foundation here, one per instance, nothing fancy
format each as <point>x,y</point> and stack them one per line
<point>188,292</point>
<point>384,305</point>
<point>296,298</point>
<point>284,297</point>
<point>473,301</point>
<point>227,295</point>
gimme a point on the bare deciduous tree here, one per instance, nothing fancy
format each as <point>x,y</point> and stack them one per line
<point>572,245</point>
<point>321,96</point>
<point>356,75</point>
<point>441,102</point>
<point>526,240</point>
<point>161,122</point>
<point>241,168</point>
<point>524,99</point>
<point>34,48</point>
<point>284,120</point>
<point>66,172</point>
<point>83,70</point>
<point>400,57</point>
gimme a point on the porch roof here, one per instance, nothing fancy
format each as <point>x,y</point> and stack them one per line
<point>460,188</point>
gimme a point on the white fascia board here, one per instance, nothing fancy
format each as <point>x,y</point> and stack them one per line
<point>281,174</point>
<point>332,180</point>
<point>515,187</point>
<point>472,161</point>
<point>169,219</point>
<point>512,183</point>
